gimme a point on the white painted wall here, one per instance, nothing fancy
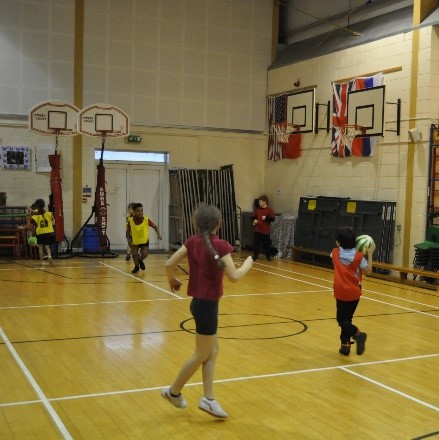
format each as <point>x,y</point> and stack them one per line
<point>188,63</point>
<point>383,176</point>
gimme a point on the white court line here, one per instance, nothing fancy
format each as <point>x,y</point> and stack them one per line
<point>364,289</point>
<point>402,299</point>
<point>234,379</point>
<point>325,289</point>
<point>294,292</point>
<point>305,274</point>
<point>143,281</point>
<point>43,399</point>
<point>42,306</point>
<point>393,390</point>
<point>365,296</point>
<point>123,301</point>
<point>72,265</point>
<point>401,307</point>
<point>175,297</point>
<point>292,278</point>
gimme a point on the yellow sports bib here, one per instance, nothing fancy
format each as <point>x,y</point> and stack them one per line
<point>139,233</point>
<point>44,223</point>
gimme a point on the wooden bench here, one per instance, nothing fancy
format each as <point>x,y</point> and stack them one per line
<point>402,271</point>
<point>10,238</point>
<point>296,251</point>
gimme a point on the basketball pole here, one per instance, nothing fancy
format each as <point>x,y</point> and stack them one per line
<point>103,252</point>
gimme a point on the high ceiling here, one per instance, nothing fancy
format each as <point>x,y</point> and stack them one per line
<point>303,19</point>
<point>312,28</point>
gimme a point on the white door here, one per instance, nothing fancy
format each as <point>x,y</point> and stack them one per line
<point>137,183</point>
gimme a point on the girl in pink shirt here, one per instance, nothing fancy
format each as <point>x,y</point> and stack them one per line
<point>209,258</point>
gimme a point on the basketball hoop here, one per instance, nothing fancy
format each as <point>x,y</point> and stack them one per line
<point>104,121</point>
<point>349,132</point>
<point>283,130</point>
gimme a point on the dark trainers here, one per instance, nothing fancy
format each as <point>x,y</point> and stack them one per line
<point>360,339</point>
<point>127,258</point>
<point>255,257</point>
<point>142,264</point>
<point>345,349</point>
<point>136,269</point>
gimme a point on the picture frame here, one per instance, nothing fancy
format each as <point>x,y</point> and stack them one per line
<point>15,158</point>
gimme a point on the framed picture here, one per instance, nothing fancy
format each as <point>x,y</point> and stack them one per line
<point>15,158</point>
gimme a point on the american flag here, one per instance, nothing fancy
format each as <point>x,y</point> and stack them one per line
<point>276,113</point>
<point>362,146</point>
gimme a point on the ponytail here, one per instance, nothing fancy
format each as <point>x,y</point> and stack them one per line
<point>212,250</point>
<point>207,218</point>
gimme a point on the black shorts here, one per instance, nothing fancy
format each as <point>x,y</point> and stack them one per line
<point>205,313</point>
<point>142,245</point>
<point>46,239</point>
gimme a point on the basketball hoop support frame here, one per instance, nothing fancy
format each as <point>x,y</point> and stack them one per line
<point>328,107</point>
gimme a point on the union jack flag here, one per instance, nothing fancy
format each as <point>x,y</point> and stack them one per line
<point>361,146</point>
<point>276,107</point>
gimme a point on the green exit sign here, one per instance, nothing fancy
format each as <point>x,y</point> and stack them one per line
<point>133,138</point>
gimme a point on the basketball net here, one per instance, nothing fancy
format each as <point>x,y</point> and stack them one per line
<point>283,131</point>
<point>348,133</point>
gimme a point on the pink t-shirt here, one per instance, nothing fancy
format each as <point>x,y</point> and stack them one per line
<point>205,277</point>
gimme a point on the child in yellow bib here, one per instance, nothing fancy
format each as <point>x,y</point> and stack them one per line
<point>42,222</point>
<point>138,236</point>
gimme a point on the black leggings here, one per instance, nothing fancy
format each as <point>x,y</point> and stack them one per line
<point>205,313</point>
<point>261,242</point>
<point>345,313</point>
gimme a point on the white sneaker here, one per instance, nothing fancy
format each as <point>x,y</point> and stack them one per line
<point>178,402</point>
<point>213,408</point>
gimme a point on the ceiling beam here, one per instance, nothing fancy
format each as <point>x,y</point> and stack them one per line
<point>426,7</point>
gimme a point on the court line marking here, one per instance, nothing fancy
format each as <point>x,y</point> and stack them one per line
<point>362,296</point>
<point>241,295</point>
<point>255,377</point>
<point>72,265</point>
<point>43,399</point>
<point>143,281</point>
<point>364,289</point>
<point>393,390</point>
<point>261,270</point>
<point>42,306</point>
<point>401,307</point>
<point>369,279</point>
<point>292,278</point>
<point>403,299</point>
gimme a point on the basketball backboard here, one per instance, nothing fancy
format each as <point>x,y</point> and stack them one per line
<point>300,110</point>
<point>366,109</point>
<point>54,117</point>
<point>98,120</point>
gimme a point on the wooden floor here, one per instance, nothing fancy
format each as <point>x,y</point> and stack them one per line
<point>85,348</point>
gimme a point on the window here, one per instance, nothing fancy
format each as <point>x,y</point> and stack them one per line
<point>132,156</point>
